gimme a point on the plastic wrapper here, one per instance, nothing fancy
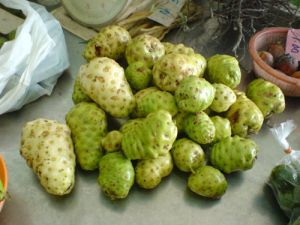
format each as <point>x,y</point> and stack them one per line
<point>284,179</point>
<point>31,63</point>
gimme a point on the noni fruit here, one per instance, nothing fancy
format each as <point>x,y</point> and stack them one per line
<point>116,175</point>
<point>112,141</point>
<point>103,80</point>
<point>78,95</point>
<point>110,42</point>
<point>223,69</point>
<point>194,94</point>
<point>149,172</point>
<point>145,48</point>
<point>187,155</point>
<point>208,181</point>
<point>88,126</point>
<point>138,75</point>
<point>47,147</point>
<point>171,69</point>
<point>245,117</point>
<point>199,128</point>
<point>233,154</point>
<point>267,96</point>
<point>224,98</point>
<point>151,137</point>
<point>152,99</point>
<point>179,120</point>
<point>177,48</point>
<point>223,128</point>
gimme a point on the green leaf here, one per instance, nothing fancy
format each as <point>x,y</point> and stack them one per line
<point>2,192</point>
<point>295,2</point>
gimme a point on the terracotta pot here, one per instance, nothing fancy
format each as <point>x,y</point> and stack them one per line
<point>260,42</point>
<point>3,177</point>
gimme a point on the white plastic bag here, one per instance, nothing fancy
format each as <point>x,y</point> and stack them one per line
<point>31,63</point>
<point>285,176</point>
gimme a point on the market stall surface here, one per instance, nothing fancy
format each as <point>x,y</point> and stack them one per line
<point>247,201</point>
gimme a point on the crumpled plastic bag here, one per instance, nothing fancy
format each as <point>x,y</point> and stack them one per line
<point>285,177</point>
<point>31,63</point>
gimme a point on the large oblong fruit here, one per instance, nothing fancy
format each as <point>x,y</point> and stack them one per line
<point>171,69</point>
<point>47,147</point>
<point>223,69</point>
<point>194,94</point>
<point>88,126</point>
<point>233,154</point>
<point>144,48</point>
<point>116,175</point>
<point>149,137</point>
<point>267,96</point>
<point>208,182</point>
<point>103,80</point>
<point>245,117</point>
<point>110,42</point>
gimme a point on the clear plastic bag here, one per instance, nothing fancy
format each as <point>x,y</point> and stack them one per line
<point>285,177</point>
<point>31,63</point>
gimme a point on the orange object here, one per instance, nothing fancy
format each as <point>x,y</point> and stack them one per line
<point>296,74</point>
<point>260,42</point>
<point>3,177</point>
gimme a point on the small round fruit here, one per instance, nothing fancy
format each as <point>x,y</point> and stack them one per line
<point>138,75</point>
<point>276,49</point>
<point>286,64</point>
<point>187,155</point>
<point>267,57</point>
<point>208,182</point>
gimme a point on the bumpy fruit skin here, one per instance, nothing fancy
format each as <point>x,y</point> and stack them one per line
<point>187,155</point>
<point>233,154</point>
<point>150,137</point>
<point>152,99</point>
<point>224,69</point>
<point>223,128</point>
<point>88,126</point>
<point>244,116</point>
<point>171,69</point>
<point>110,42</point>
<point>130,124</point>
<point>138,75</point>
<point>199,128</point>
<point>194,94</point>
<point>116,175</point>
<point>208,182</point>
<point>103,80</point>
<point>224,98</point>
<point>78,95</point>
<point>47,147</point>
<point>179,120</point>
<point>267,96</point>
<point>200,62</point>
<point>177,48</point>
<point>112,141</point>
<point>149,172</point>
<point>145,48</point>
